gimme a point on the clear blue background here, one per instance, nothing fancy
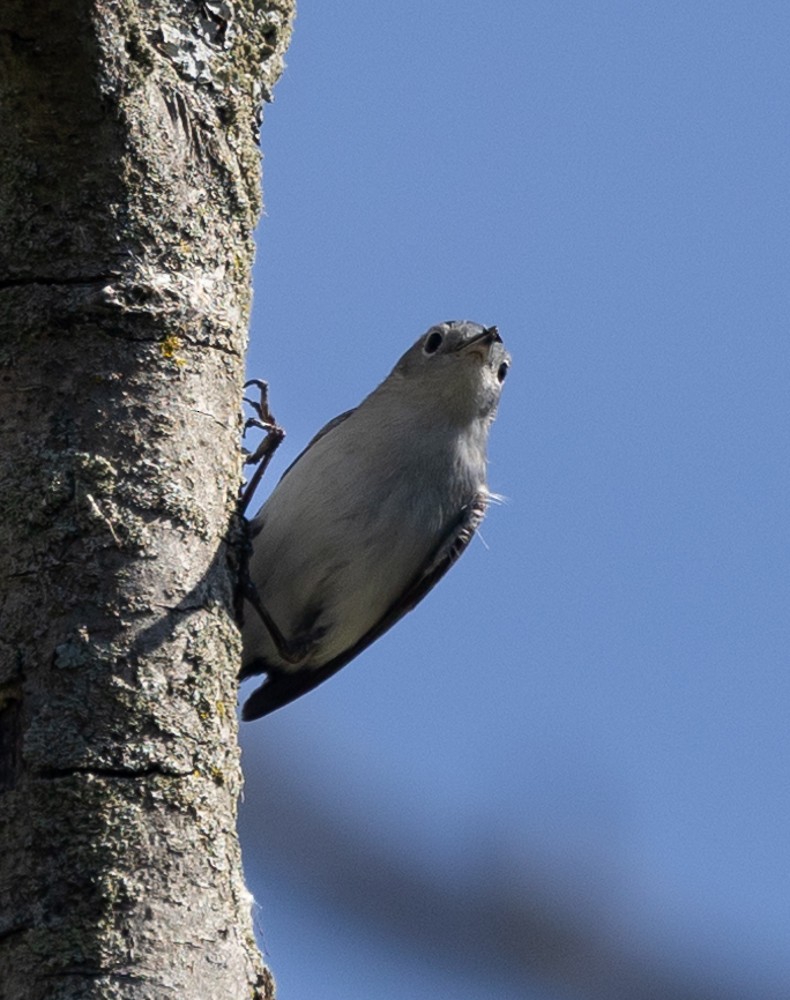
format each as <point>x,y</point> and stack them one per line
<point>589,715</point>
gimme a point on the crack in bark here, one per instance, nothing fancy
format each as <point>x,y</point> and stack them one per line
<point>17,929</point>
<point>10,738</point>
<point>53,281</point>
<point>113,772</point>
<point>94,973</point>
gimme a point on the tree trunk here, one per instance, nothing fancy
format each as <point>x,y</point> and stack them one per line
<point>129,189</point>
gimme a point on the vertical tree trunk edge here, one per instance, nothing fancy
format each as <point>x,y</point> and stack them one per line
<point>129,193</point>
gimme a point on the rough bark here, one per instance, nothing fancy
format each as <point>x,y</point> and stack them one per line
<point>129,189</point>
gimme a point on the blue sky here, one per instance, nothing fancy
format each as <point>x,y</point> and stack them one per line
<point>595,700</point>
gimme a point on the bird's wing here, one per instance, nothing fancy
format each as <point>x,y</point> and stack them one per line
<point>334,422</point>
<point>281,687</point>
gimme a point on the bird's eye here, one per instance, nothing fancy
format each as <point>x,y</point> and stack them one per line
<point>433,343</point>
<point>502,371</point>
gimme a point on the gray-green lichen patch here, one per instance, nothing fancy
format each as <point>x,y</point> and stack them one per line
<point>75,652</point>
<point>130,706</point>
<point>67,476</point>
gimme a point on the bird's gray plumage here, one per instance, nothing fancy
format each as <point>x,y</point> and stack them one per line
<point>372,513</point>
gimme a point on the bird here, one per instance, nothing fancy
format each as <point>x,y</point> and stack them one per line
<point>371,514</point>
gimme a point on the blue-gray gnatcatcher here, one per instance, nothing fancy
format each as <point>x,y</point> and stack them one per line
<point>372,514</point>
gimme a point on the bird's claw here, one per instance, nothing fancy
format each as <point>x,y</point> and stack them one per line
<point>262,455</point>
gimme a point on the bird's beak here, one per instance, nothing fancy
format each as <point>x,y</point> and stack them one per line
<point>488,336</point>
